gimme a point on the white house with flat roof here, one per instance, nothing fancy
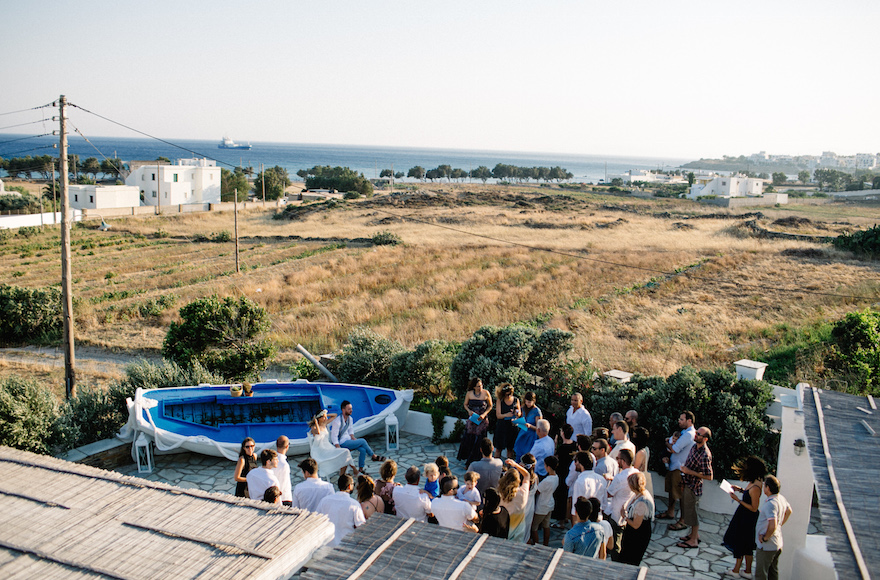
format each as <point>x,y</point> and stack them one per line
<point>103,196</point>
<point>189,181</point>
<point>726,186</point>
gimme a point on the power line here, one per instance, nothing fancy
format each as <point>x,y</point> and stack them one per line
<point>26,110</point>
<point>153,136</point>
<point>26,150</point>
<point>618,264</point>
<point>23,139</point>
<point>28,123</point>
<point>101,153</point>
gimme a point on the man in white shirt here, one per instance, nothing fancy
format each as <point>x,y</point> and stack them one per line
<point>543,446</point>
<point>768,531</point>
<point>342,435</point>
<point>618,494</point>
<point>578,417</point>
<point>409,500</point>
<point>344,511</point>
<point>308,494</point>
<point>589,483</point>
<point>262,478</point>
<point>453,513</point>
<point>621,438</point>
<point>282,472</point>
<point>679,445</point>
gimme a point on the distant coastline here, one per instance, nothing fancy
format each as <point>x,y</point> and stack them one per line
<point>364,159</point>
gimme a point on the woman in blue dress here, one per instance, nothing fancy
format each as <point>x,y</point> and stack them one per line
<point>526,438</point>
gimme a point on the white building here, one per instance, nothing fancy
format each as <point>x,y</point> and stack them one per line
<point>646,176</point>
<point>727,186</point>
<point>103,196</point>
<point>190,181</point>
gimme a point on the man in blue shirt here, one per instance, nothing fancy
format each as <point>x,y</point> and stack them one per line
<point>585,538</point>
<point>543,447</point>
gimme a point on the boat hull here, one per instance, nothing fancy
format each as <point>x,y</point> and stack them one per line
<point>208,420</point>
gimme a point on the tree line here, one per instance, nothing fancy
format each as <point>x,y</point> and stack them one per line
<point>501,172</point>
<point>46,166</point>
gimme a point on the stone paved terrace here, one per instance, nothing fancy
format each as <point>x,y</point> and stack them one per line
<point>710,560</point>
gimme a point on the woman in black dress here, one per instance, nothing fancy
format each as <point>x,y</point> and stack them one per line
<point>247,460</point>
<point>740,536</point>
<point>477,403</point>
<point>496,520</point>
<point>507,410</point>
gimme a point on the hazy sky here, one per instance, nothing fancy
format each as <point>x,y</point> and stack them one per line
<point>667,79</point>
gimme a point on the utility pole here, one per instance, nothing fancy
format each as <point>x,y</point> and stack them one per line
<point>66,290</point>
<point>262,181</point>
<point>235,206</point>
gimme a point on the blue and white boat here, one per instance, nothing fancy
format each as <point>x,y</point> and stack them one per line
<point>208,419</point>
<point>227,143</point>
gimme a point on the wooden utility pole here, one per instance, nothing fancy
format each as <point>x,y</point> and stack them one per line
<point>235,206</point>
<point>66,289</point>
<point>263,181</point>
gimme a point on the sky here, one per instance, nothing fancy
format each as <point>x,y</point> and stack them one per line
<point>680,78</point>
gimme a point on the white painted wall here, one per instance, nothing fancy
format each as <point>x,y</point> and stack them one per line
<point>190,181</point>
<point>103,196</point>
<point>36,219</point>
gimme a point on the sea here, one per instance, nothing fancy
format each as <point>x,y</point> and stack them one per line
<point>369,160</point>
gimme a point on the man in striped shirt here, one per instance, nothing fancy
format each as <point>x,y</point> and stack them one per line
<point>696,468</point>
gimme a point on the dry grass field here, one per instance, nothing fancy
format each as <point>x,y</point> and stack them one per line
<point>646,285</point>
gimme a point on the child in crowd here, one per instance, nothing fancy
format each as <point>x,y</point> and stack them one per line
<point>443,465</point>
<point>432,475</point>
<point>469,492</point>
<point>545,501</point>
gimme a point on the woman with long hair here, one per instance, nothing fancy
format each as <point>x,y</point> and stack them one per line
<point>513,487</point>
<point>643,455</point>
<point>740,535</point>
<point>329,457</point>
<point>507,410</point>
<point>477,404</point>
<point>496,520</point>
<point>638,513</point>
<point>247,460</point>
<point>384,487</point>
<point>527,436</point>
<point>366,496</point>
<point>528,461</point>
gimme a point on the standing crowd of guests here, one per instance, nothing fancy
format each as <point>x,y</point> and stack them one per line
<point>592,482</point>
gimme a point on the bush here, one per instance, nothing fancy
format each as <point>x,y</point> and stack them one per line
<point>28,415</point>
<point>386,238</point>
<point>155,306</point>
<point>223,335</point>
<point>734,409</point>
<point>29,315</point>
<point>865,242</point>
<point>366,358</point>
<point>303,369</point>
<point>426,371</point>
<point>517,354</point>
<point>856,349</point>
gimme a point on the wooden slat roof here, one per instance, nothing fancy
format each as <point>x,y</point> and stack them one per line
<point>854,455</point>
<point>66,520</point>
<point>428,551</point>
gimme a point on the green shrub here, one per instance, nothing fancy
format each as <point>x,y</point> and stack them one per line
<point>155,306</point>
<point>223,335</point>
<point>856,350</point>
<point>351,195</point>
<point>303,369</point>
<point>366,358</point>
<point>29,315</point>
<point>94,414</point>
<point>222,237</point>
<point>734,409</point>
<point>865,242</point>
<point>426,371</point>
<point>28,415</point>
<point>517,354</point>
<point>386,238</point>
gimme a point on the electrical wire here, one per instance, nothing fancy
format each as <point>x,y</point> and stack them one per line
<point>26,150</point>
<point>23,139</point>
<point>101,153</point>
<point>620,265</point>
<point>28,123</point>
<point>26,110</point>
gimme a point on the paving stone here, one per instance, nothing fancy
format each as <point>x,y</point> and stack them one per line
<point>680,560</point>
<point>194,478</point>
<point>702,576</point>
<point>188,485</point>
<point>700,565</point>
<point>170,475</point>
<point>666,569</point>
<point>709,527</point>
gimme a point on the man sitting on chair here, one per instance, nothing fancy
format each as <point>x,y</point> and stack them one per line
<point>342,435</point>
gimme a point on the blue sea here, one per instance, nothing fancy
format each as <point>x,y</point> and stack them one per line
<point>295,156</point>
